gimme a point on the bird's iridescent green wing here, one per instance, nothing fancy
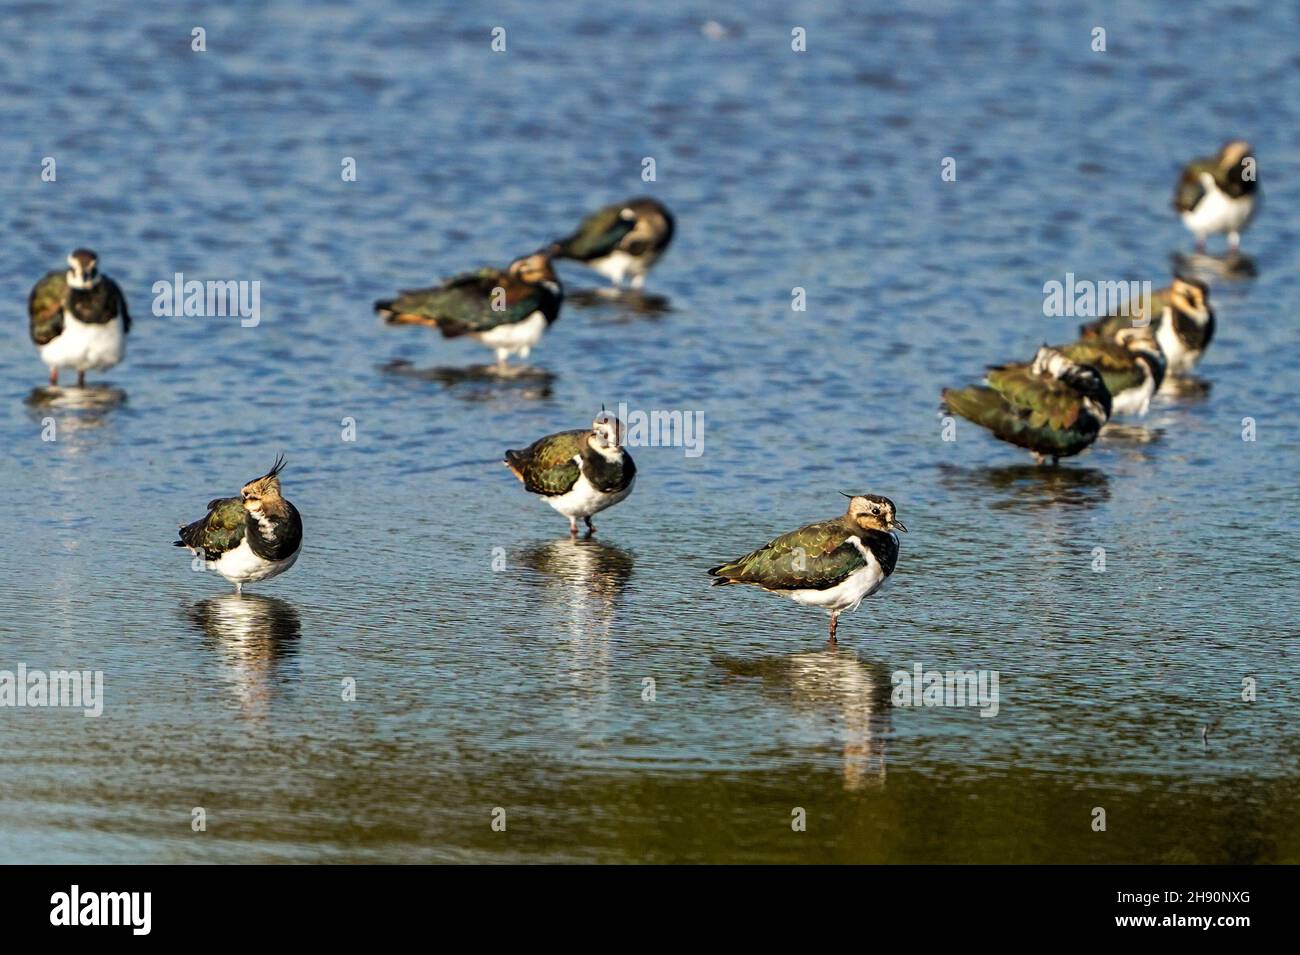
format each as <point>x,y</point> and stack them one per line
<point>1046,401</point>
<point>1190,189</point>
<point>1118,366</point>
<point>815,557</point>
<point>598,234</point>
<point>45,307</point>
<point>219,531</point>
<point>547,466</point>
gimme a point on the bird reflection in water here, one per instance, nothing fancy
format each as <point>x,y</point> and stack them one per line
<point>1031,486</point>
<point>74,409</point>
<point>480,382</point>
<point>581,581</point>
<point>256,638</point>
<point>1230,265</point>
<point>834,684</point>
<point>621,304</point>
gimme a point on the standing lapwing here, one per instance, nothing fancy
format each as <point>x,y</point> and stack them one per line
<point>579,473</point>
<point>621,241</point>
<point>1178,320</point>
<point>249,538</point>
<point>505,310</point>
<point>78,318</point>
<point>1219,194</point>
<point>832,564</point>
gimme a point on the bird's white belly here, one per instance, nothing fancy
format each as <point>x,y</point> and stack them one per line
<point>1178,357</point>
<point>84,346</point>
<point>1219,212</point>
<point>242,566</point>
<point>1134,400</point>
<point>618,265</point>
<point>848,593</point>
<point>518,336</point>
<point>584,499</point>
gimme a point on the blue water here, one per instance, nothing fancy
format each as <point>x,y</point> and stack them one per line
<point>522,688</point>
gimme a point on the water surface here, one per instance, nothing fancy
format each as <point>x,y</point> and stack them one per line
<point>524,687</point>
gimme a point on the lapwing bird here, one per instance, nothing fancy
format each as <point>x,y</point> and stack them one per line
<point>832,564</point>
<point>579,473</point>
<point>78,318</point>
<point>505,310</point>
<point>1178,320</point>
<point>1219,194</point>
<point>249,538</point>
<point>1132,371</point>
<point>1051,406</point>
<point>621,241</point>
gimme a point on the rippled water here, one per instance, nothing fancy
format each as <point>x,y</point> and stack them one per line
<point>523,688</point>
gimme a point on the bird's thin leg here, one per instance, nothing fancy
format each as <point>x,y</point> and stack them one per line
<point>638,281</point>
<point>835,622</point>
<point>1200,245</point>
<point>54,377</point>
<point>591,528</point>
<point>502,355</point>
<point>1234,240</point>
<point>81,379</point>
<point>573,527</point>
<point>239,589</point>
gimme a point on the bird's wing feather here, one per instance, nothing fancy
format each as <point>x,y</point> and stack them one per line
<point>45,307</point>
<point>598,234</point>
<point>547,465</point>
<point>220,530</point>
<point>1118,367</point>
<point>1190,190</point>
<point>814,557</point>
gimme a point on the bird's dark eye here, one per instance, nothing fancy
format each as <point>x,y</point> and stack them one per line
<point>875,510</point>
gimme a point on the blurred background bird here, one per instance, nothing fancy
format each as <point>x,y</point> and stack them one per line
<point>78,318</point>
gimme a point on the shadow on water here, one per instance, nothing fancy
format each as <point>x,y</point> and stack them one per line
<point>255,637</point>
<point>1032,486</point>
<point>1198,265</point>
<point>834,684</point>
<point>621,304</point>
<point>480,382</point>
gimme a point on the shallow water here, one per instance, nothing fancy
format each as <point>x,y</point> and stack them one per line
<point>522,688</point>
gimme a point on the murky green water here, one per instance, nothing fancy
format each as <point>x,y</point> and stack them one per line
<point>524,688</point>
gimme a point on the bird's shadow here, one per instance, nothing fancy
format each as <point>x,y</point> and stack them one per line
<point>1035,486</point>
<point>620,304</point>
<point>1230,265</point>
<point>479,382</point>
